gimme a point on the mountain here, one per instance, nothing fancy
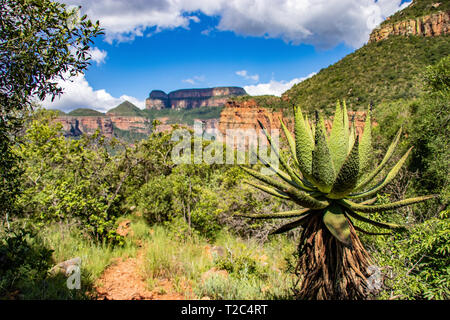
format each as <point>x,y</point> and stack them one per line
<point>418,9</point>
<point>383,70</point>
<point>85,112</point>
<point>126,108</point>
<point>126,122</point>
<point>192,98</point>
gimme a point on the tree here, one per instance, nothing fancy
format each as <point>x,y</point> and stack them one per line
<point>329,177</point>
<point>41,42</point>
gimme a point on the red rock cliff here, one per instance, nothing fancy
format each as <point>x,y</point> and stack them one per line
<point>436,24</point>
<point>245,115</point>
<point>75,126</point>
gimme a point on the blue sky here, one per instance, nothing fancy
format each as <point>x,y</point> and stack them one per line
<point>265,46</point>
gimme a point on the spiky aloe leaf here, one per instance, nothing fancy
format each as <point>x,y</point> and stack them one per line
<point>337,223</point>
<point>269,190</point>
<point>278,215</point>
<point>383,163</point>
<point>283,175</point>
<point>266,179</point>
<point>338,143</point>
<point>294,193</point>
<point>352,137</point>
<point>390,176</point>
<point>384,225</point>
<point>365,146</point>
<point>323,172</point>
<point>305,200</point>
<point>292,225</point>
<point>348,175</point>
<point>297,181</point>
<point>370,201</point>
<point>290,139</point>
<point>304,144</point>
<point>384,207</point>
<point>345,113</point>
<point>308,127</point>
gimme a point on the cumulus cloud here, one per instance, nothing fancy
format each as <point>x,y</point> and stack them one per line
<point>78,93</point>
<point>246,75</point>
<point>97,55</point>
<point>324,23</point>
<point>276,88</point>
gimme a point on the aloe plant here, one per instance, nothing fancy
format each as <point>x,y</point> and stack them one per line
<point>329,177</point>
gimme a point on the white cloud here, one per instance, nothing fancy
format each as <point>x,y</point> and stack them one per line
<point>246,75</point>
<point>78,93</point>
<point>97,55</point>
<point>324,23</point>
<point>194,80</point>
<point>276,88</point>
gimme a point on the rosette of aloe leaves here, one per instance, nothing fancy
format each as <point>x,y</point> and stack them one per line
<point>330,178</point>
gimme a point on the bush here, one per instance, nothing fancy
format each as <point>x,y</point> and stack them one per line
<point>24,260</point>
<point>69,180</point>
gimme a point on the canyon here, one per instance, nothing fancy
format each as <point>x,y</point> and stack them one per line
<point>109,126</point>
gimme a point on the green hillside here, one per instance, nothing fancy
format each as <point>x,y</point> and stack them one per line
<point>417,9</point>
<point>85,112</point>
<point>382,71</point>
<point>184,116</point>
<point>126,108</point>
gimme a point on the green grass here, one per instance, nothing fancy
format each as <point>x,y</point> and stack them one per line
<point>378,72</point>
<point>255,271</point>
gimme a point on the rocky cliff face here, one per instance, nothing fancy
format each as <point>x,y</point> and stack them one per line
<point>436,24</point>
<point>245,115</point>
<point>192,98</point>
<point>76,126</point>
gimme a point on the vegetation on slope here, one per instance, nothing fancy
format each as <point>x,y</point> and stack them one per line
<point>126,109</point>
<point>85,112</point>
<point>378,72</point>
<point>184,116</point>
<point>417,9</point>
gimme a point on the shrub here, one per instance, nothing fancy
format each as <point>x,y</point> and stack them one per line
<point>24,260</point>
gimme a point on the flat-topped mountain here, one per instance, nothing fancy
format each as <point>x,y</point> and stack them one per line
<point>192,98</point>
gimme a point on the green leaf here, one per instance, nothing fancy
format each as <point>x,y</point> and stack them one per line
<point>352,137</point>
<point>323,172</point>
<point>269,190</point>
<point>272,182</point>
<point>292,225</point>
<point>305,200</point>
<point>390,176</point>
<point>365,146</point>
<point>383,225</point>
<point>348,175</point>
<point>337,223</point>
<point>278,215</point>
<point>385,207</point>
<point>338,143</point>
<point>383,163</point>
<point>297,182</point>
<point>304,145</point>
<point>290,139</point>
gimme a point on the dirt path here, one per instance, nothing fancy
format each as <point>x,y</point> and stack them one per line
<point>123,281</point>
